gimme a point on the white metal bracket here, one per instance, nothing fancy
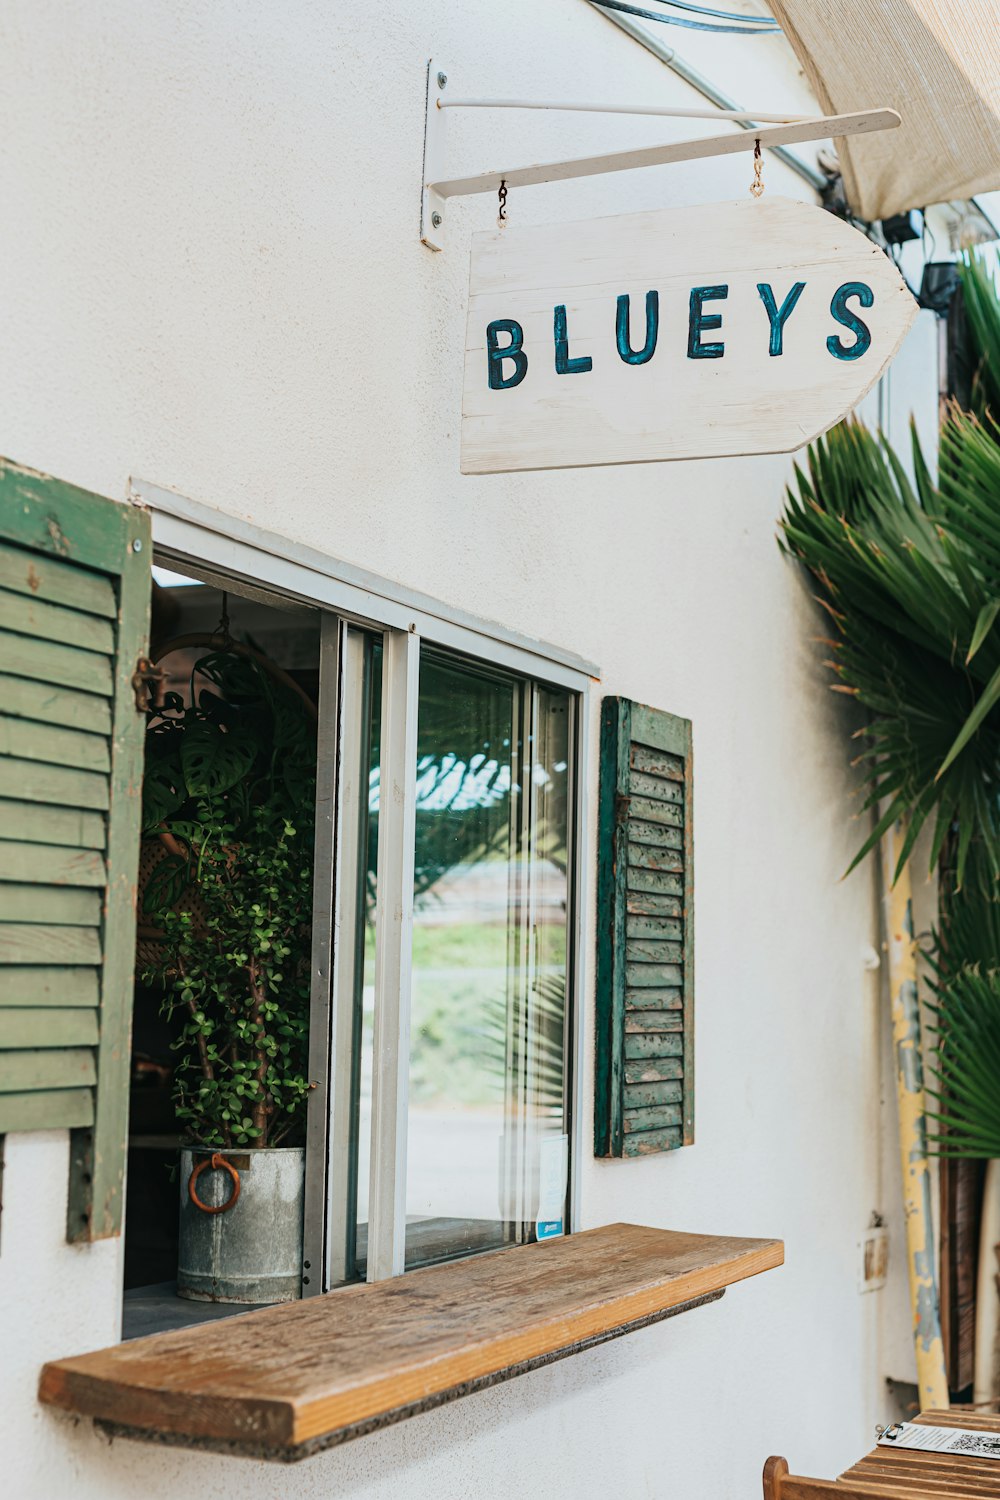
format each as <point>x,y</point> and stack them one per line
<point>776,130</point>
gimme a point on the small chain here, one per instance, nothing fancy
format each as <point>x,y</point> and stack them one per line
<point>757,186</point>
<point>502,201</point>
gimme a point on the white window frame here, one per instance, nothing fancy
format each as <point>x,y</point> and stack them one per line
<point>190,535</point>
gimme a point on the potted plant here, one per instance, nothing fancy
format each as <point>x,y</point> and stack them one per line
<point>228,811</point>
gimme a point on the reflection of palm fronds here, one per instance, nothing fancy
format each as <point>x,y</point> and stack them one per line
<point>542,1049</point>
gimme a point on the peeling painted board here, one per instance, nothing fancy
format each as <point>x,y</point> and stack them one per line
<point>655,788</point>
<point>54,1109</point>
<point>653,1069</point>
<point>646,1022</point>
<point>653,951</point>
<point>51,622</point>
<point>643,857</point>
<point>657,1118</point>
<point>30,943</point>
<point>47,661</point>
<point>648,1142</point>
<point>651,904</point>
<point>649,976</point>
<point>49,984</point>
<point>26,572</point>
<point>655,762</point>
<point>22,698</point>
<point>657,730</point>
<point>63,522</point>
<point>48,864</point>
<point>47,1026</point>
<point>34,781</point>
<point>656,882</point>
<point>70,1067</point>
<point>37,823</point>
<point>54,743</point>
<point>666,831</point>
<point>643,1095</point>
<point>66,906</point>
<point>654,927</point>
<point>664,1044</point>
<point>654,999</point>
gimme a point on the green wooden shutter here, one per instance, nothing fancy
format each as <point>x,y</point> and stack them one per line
<point>644,1078</point>
<point>74,613</point>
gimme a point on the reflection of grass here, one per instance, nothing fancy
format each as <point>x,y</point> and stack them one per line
<point>459,1001</point>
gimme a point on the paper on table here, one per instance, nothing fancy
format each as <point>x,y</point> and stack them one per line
<point>941,1439</point>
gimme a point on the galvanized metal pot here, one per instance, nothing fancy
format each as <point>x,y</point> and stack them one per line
<point>241,1225</point>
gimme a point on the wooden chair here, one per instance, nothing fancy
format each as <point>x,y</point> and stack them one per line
<point>900,1473</point>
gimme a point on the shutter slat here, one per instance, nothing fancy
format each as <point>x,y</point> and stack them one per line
<point>21,698</point>
<point>34,781</point>
<point>36,823</point>
<point>67,906</point>
<point>37,943</point>
<point>70,1067</point>
<point>645,1034</point>
<point>37,1026</point>
<point>65,1109</point>
<point>26,572</point>
<point>47,984</point>
<point>47,864</point>
<point>74,610</point>
<point>52,743</point>
<point>47,661</point>
<point>51,622</point>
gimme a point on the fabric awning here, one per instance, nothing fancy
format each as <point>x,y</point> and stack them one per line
<point>935,61</point>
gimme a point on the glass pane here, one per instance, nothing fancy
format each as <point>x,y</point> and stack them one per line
<point>489,973</point>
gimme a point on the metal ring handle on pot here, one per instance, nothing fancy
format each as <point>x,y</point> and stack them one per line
<point>216,1163</point>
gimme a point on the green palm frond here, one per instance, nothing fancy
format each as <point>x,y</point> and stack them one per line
<point>909,576</point>
<point>967,1064</point>
<point>982,309</point>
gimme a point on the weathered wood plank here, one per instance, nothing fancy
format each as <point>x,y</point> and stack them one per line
<point>47,1026</point>
<point>48,864</point>
<point>72,1067</point>
<point>22,698</point>
<point>656,1044</point>
<point>642,1095</point>
<point>95,1202</point>
<point>651,951</point>
<point>27,572</point>
<point>655,999</point>
<point>31,943</point>
<point>649,976</point>
<point>659,1117</point>
<point>663,834</point>
<point>53,743</point>
<point>58,1109</point>
<point>646,1022</point>
<point>655,882</point>
<point>649,1142</point>
<point>49,984</point>
<point>655,789</point>
<point>655,762</point>
<point>655,927</point>
<point>34,781</point>
<point>48,661</point>
<point>653,1069</point>
<point>295,1374</point>
<point>51,622</point>
<point>39,823</point>
<point>652,904</point>
<point>61,521</point>
<point>645,857</point>
<point>66,906</point>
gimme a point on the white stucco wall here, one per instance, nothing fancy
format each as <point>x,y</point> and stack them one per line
<point>210,276</point>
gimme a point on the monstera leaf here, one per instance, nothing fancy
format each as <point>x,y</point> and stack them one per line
<point>214,757</point>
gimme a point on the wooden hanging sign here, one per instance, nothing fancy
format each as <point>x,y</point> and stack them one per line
<point>704,332</point>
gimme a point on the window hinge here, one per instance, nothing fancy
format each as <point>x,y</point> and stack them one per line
<point>145,680</point>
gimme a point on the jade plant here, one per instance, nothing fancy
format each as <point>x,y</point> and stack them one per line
<point>229,793</point>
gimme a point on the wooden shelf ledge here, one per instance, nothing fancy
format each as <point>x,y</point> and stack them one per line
<point>287,1381</point>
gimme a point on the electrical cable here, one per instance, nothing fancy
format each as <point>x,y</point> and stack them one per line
<point>766,23</point>
<point>651,15</point>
